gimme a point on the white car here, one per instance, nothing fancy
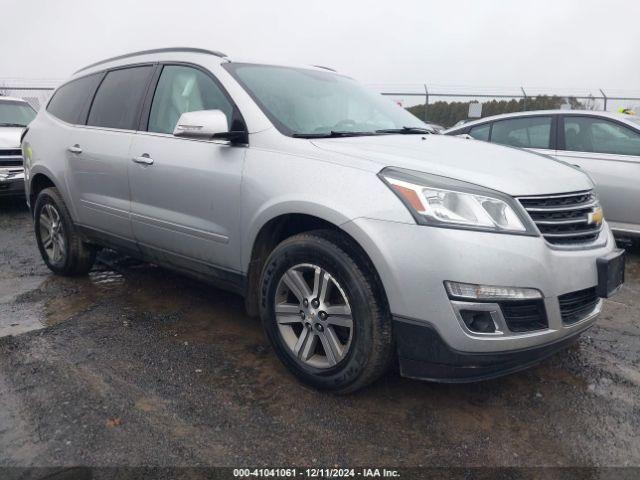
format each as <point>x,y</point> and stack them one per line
<point>606,145</point>
<point>15,115</point>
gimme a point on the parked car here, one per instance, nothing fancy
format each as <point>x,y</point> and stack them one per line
<point>356,237</point>
<point>15,114</point>
<point>462,122</point>
<point>606,145</point>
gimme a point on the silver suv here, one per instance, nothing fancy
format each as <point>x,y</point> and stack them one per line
<point>15,115</point>
<point>356,235</point>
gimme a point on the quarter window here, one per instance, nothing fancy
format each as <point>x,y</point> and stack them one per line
<point>70,102</point>
<point>119,98</point>
<point>529,132</point>
<point>584,134</point>
<point>184,89</point>
<point>481,132</point>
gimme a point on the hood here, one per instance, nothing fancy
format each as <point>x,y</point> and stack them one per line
<point>509,170</point>
<point>10,137</point>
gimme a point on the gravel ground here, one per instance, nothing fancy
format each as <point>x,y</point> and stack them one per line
<point>134,365</point>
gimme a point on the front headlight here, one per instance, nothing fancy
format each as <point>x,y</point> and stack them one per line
<point>444,202</point>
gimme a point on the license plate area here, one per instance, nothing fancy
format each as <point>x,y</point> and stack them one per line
<point>610,273</point>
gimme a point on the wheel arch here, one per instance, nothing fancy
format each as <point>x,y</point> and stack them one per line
<point>282,226</point>
<point>38,181</point>
<point>40,178</point>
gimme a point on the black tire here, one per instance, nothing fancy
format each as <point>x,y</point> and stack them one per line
<point>77,258</point>
<point>371,350</point>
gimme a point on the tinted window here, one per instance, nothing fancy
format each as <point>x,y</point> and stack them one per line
<point>70,102</point>
<point>184,89</point>
<point>119,97</point>
<point>584,134</point>
<point>481,132</point>
<point>15,113</point>
<point>530,132</point>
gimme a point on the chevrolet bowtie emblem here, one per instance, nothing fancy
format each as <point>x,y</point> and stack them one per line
<point>596,216</point>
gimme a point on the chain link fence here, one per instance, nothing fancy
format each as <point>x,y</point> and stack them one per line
<point>34,92</point>
<point>416,97</point>
<point>428,101</point>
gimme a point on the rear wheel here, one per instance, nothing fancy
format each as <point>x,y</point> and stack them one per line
<point>324,312</point>
<point>59,242</point>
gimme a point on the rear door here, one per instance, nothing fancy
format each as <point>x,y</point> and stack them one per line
<point>98,152</point>
<point>610,152</point>
<point>186,194</point>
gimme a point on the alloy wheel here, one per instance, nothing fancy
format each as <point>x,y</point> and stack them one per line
<point>52,234</point>
<point>314,316</point>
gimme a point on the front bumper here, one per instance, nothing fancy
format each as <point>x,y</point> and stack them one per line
<point>413,261</point>
<point>11,183</point>
<point>424,355</point>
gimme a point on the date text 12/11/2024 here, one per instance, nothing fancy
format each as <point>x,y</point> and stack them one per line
<point>316,473</point>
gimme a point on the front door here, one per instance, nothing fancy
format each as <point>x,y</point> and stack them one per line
<point>186,192</point>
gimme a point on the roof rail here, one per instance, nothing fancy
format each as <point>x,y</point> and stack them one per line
<point>325,68</point>
<point>156,50</point>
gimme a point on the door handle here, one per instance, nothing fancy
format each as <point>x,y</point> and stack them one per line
<point>75,149</point>
<point>143,159</point>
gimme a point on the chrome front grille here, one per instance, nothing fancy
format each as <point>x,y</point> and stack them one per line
<point>566,219</point>
<point>10,157</point>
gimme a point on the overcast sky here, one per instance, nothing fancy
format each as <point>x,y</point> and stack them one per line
<point>556,43</point>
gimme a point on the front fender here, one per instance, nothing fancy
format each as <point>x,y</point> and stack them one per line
<point>275,183</point>
<point>283,206</point>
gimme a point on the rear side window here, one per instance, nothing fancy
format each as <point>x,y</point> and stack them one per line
<point>481,132</point>
<point>119,98</point>
<point>184,89</point>
<point>70,102</point>
<point>529,132</point>
<point>584,134</point>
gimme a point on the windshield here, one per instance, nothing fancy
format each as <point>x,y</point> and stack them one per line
<point>15,114</point>
<point>304,102</point>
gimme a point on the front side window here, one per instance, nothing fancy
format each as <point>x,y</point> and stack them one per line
<point>184,89</point>
<point>308,102</point>
<point>481,132</point>
<point>119,98</point>
<point>529,132</point>
<point>584,134</point>
<point>70,101</point>
<point>15,114</point>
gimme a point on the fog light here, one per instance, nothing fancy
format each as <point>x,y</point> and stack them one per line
<point>477,321</point>
<point>468,291</point>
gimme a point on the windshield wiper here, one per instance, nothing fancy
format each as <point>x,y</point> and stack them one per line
<point>8,124</point>
<point>333,134</point>
<point>407,130</point>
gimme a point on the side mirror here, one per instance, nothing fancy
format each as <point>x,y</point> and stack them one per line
<point>206,125</point>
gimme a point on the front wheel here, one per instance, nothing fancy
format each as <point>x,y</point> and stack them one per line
<point>325,313</point>
<point>59,242</point>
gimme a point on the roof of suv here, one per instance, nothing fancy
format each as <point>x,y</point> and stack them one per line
<point>121,60</point>
<point>154,51</point>
<point>598,113</point>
